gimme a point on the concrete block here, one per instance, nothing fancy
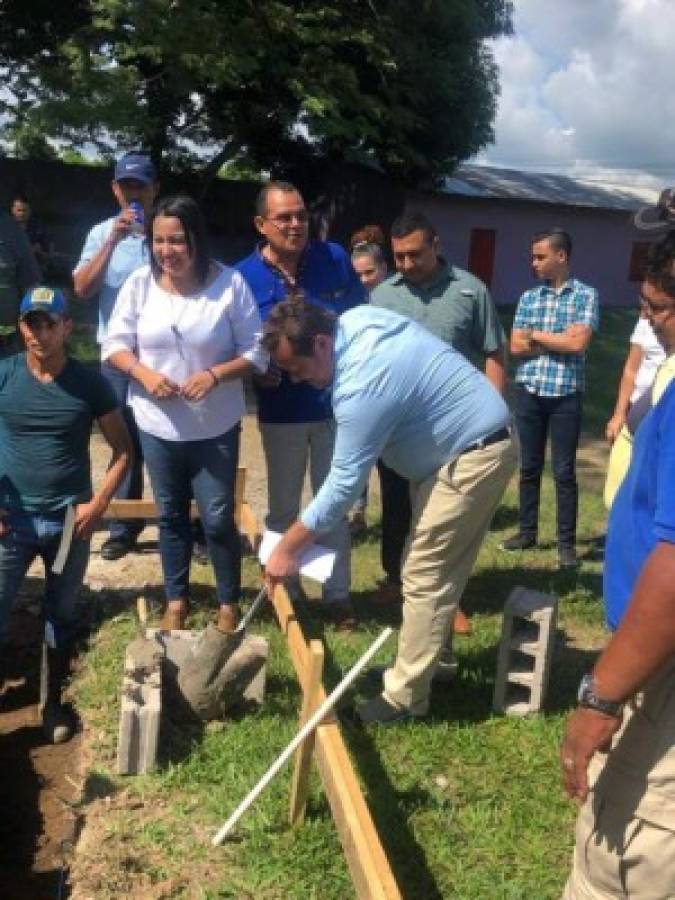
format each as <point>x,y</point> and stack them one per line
<point>141,707</point>
<point>151,678</point>
<point>525,652</point>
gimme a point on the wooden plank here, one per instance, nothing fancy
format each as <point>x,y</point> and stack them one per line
<point>366,859</point>
<point>147,509</point>
<point>248,525</point>
<point>303,757</point>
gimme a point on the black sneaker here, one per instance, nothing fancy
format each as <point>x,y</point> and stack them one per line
<point>567,558</point>
<point>117,547</point>
<point>518,542</point>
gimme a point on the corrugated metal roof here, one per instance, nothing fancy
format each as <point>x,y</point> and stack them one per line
<point>513,184</point>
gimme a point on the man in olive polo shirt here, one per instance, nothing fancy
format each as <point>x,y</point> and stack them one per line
<point>457,308</point>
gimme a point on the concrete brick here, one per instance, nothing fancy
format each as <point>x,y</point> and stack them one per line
<point>152,664</point>
<point>141,707</point>
<point>525,652</point>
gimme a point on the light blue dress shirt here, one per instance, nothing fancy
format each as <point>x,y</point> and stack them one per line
<point>401,394</point>
<point>130,254</point>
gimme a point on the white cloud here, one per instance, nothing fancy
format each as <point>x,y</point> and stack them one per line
<point>586,89</point>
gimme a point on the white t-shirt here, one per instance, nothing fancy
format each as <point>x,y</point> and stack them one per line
<point>653,355</point>
<point>180,336</point>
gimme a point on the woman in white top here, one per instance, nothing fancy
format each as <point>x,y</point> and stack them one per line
<point>186,329</point>
<point>644,358</point>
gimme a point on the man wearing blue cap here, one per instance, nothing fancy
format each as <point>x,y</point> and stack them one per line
<point>48,404</point>
<point>113,250</point>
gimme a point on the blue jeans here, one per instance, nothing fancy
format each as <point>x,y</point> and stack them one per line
<point>131,487</point>
<point>536,419</point>
<point>205,470</point>
<point>39,534</point>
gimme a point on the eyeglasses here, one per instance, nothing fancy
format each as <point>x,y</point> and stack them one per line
<point>655,308</point>
<point>283,220</point>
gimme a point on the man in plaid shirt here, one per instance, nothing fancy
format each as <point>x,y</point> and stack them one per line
<point>551,332</point>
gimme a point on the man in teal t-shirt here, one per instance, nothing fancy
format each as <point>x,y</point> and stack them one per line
<point>48,405</point>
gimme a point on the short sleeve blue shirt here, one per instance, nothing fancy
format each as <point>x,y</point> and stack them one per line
<point>326,277</point>
<point>130,254</point>
<point>643,512</point>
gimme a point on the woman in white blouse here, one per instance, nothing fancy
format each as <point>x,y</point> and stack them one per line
<point>186,329</point>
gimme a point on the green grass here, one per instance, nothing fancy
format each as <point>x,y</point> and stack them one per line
<point>468,804</point>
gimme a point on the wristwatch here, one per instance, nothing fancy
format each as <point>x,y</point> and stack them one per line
<point>589,699</point>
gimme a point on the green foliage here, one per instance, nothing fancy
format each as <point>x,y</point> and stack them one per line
<point>409,87</point>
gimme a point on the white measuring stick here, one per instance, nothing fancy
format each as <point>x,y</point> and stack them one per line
<point>309,726</point>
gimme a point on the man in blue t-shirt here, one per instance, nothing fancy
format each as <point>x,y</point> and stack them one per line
<point>48,405</point>
<point>113,250</point>
<point>626,828</point>
<point>296,420</point>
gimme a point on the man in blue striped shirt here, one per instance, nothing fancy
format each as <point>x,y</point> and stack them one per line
<point>402,395</point>
<point>551,332</point>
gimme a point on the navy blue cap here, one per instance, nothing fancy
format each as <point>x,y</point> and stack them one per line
<point>136,166</point>
<point>46,300</point>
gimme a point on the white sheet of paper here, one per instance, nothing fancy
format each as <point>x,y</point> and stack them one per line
<point>316,562</point>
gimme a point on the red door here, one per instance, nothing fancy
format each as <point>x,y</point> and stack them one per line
<point>482,253</point>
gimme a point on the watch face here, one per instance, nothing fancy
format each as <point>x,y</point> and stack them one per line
<point>588,698</point>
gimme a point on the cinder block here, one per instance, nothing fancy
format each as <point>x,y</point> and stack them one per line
<point>525,652</point>
<point>141,707</point>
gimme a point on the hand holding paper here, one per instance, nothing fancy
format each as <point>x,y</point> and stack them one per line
<point>315,561</point>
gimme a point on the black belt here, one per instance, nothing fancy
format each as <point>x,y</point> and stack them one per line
<point>501,435</point>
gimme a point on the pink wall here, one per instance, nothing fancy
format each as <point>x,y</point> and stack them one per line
<point>602,241</point>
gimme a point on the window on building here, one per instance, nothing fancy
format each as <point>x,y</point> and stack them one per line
<point>638,260</point>
<point>482,253</point>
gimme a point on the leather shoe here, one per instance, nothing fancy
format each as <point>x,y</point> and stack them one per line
<point>173,619</point>
<point>341,615</point>
<point>461,624</point>
<point>227,618</point>
<point>567,558</point>
<point>379,711</point>
<point>518,542</point>
<point>388,593</point>
<point>117,547</point>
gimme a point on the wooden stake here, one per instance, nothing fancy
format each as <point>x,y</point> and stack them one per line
<point>326,707</point>
<point>303,756</point>
<point>367,861</point>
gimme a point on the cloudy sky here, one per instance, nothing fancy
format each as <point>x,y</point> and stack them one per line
<point>587,89</point>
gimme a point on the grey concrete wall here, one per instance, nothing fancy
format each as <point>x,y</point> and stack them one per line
<point>602,241</point>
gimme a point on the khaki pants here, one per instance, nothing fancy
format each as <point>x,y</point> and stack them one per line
<point>625,834</point>
<point>451,512</point>
<point>620,856</point>
<point>289,451</point>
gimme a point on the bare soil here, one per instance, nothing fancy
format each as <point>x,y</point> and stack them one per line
<point>40,784</point>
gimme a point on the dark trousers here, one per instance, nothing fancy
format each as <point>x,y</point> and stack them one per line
<point>207,471</point>
<point>536,419</point>
<point>396,515</point>
<point>132,484</point>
